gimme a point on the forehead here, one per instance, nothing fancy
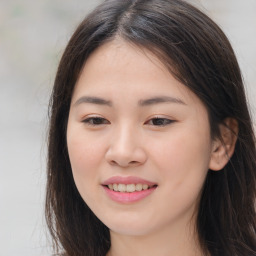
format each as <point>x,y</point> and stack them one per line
<point>121,56</point>
<point>118,68</point>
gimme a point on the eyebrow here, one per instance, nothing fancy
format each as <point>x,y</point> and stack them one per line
<point>160,99</point>
<point>145,102</point>
<point>93,100</point>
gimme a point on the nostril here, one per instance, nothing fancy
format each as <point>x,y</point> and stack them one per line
<point>123,163</point>
<point>113,162</point>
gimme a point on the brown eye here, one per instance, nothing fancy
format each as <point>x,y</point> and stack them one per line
<point>94,121</point>
<point>160,121</point>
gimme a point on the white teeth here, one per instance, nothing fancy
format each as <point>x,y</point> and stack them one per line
<point>128,188</point>
<point>121,187</point>
<point>115,187</point>
<point>144,186</point>
<point>138,187</point>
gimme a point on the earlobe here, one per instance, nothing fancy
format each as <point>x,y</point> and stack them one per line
<point>224,146</point>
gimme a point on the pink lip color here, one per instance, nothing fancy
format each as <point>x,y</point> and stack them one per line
<point>127,197</point>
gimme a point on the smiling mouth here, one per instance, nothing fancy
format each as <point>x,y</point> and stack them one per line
<point>129,188</point>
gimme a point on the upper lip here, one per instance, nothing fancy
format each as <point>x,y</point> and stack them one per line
<point>127,180</point>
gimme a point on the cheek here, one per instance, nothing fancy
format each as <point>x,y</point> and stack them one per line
<point>183,159</point>
<point>183,167</point>
<point>82,156</point>
<point>182,150</point>
<point>85,154</point>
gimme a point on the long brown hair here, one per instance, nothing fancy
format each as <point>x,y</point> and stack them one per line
<point>199,55</point>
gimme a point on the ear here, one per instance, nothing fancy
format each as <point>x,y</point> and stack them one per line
<point>223,147</point>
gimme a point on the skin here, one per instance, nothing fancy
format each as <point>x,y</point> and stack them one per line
<point>175,151</point>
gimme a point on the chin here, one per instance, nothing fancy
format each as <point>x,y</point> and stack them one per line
<point>130,228</point>
<point>128,231</point>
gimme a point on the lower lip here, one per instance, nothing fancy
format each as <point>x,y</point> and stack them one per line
<point>124,197</point>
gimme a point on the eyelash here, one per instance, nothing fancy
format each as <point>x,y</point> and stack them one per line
<point>90,121</point>
<point>163,121</point>
<point>97,121</point>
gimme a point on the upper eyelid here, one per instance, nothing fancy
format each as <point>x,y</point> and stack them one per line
<point>92,116</point>
<point>161,117</point>
<point>151,117</point>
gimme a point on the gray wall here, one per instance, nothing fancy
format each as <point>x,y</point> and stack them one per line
<point>32,37</point>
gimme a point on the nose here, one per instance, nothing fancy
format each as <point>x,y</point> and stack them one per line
<point>125,149</point>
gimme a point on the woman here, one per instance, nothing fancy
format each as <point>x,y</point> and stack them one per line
<point>151,146</point>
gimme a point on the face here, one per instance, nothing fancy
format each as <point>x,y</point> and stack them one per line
<point>138,140</point>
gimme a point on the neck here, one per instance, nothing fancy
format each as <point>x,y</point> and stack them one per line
<point>175,241</point>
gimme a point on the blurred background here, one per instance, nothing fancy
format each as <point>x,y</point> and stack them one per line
<point>33,35</point>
